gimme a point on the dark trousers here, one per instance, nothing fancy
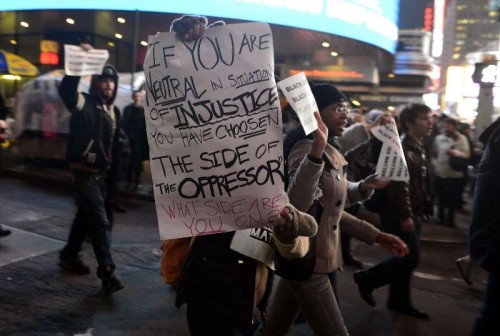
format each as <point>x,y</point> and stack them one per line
<point>135,163</point>
<point>449,192</point>
<point>91,218</point>
<point>394,271</point>
<point>487,324</point>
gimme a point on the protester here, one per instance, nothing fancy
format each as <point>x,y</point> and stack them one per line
<point>225,291</point>
<point>134,126</point>
<point>401,212</point>
<point>484,233</point>
<point>448,180</point>
<point>3,137</point>
<point>92,126</point>
<point>317,176</point>
<point>359,167</point>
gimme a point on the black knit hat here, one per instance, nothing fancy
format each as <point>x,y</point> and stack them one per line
<point>109,71</point>
<point>326,94</point>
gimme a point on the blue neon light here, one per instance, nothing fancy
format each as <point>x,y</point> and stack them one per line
<point>373,22</point>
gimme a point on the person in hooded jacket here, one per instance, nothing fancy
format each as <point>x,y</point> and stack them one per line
<point>89,152</point>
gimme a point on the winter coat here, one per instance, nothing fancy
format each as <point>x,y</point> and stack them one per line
<point>223,283</point>
<point>92,126</point>
<point>484,232</point>
<point>337,192</point>
<point>406,199</point>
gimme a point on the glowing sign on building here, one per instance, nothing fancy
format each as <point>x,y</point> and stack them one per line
<point>370,21</point>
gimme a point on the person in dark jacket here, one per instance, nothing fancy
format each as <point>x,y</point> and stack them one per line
<point>89,152</point>
<point>484,231</point>
<point>134,126</point>
<point>403,207</point>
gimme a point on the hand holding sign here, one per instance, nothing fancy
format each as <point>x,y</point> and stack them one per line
<point>320,137</point>
<point>83,60</point>
<point>298,93</point>
<point>391,162</point>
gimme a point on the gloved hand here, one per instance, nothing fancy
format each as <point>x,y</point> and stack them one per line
<point>294,223</point>
<point>189,27</point>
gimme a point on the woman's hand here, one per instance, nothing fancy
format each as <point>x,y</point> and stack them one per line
<point>381,120</point>
<point>86,46</point>
<point>293,223</point>
<point>373,182</point>
<point>392,244</point>
<point>320,138</point>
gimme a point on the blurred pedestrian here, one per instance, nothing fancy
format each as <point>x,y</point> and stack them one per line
<point>447,178</point>
<point>89,152</point>
<point>484,234</point>
<point>134,126</point>
<point>401,213</point>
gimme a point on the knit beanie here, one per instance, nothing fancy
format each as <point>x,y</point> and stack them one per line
<point>326,94</point>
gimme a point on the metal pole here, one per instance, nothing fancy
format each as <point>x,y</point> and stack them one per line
<point>135,43</point>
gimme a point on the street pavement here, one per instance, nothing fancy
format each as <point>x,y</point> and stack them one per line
<point>38,298</point>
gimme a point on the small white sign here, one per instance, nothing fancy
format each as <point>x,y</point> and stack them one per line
<point>391,161</point>
<point>255,243</point>
<point>78,62</point>
<point>298,93</point>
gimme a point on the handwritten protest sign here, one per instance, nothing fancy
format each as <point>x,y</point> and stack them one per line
<point>391,162</point>
<point>214,130</point>
<point>78,62</point>
<point>298,93</point>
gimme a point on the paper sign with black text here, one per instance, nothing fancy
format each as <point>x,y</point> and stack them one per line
<point>78,62</point>
<point>300,97</point>
<point>391,162</point>
<point>256,243</point>
<point>214,131</point>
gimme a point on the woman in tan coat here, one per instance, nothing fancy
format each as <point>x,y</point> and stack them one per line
<point>317,174</point>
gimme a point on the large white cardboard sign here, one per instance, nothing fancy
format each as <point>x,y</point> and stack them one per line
<point>300,97</point>
<point>391,162</point>
<point>214,131</point>
<point>78,62</point>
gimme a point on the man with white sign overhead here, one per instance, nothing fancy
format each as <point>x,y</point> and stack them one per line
<point>93,128</point>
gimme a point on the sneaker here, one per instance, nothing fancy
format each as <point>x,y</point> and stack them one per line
<point>465,267</point>
<point>364,287</point>
<point>74,266</point>
<point>4,233</point>
<point>111,284</point>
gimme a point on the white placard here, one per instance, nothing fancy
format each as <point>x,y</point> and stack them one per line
<point>214,131</point>
<point>255,243</point>
<point>298,93</point>
<point>78,62</point>
<point>391,162</point>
